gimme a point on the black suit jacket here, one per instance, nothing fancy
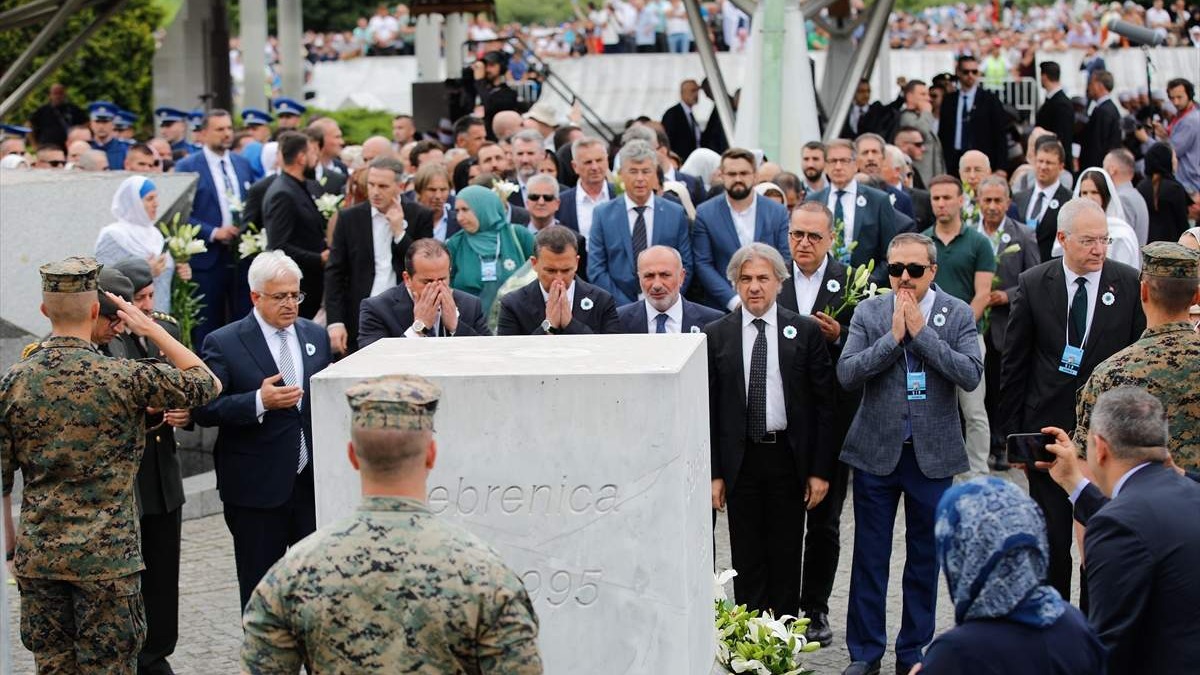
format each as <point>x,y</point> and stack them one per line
<point>922,208</point>
<point>1101,134</point>
<point>331,183</point>
<point>351,269</point>
<point>1142,551</point>
<point>255,196</point>
<point>1008,271</point>
<point>695,317</point>
<point>1047,227</point>
<point>872,121</point>
<point>680,133</point>
<point>523,311</point>
<point>986,131</point>
<point>809,391</point>
<point>295,226</point>
<point>390,313</point>
<point>256,461</point>
<point>1033,392</point>
<point>1057,116</point>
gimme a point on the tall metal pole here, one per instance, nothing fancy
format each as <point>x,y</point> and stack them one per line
<point>253,22</point>
<point>48,31</point>
<point>708,59</point>
<point>860,66</point>
<point>771,77</point>
<point>290,22</point>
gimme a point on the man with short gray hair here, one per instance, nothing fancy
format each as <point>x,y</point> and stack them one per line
<point>1120,167</point>
<point>1142,546</point>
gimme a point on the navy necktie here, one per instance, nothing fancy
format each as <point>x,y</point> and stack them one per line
<point>639,232</point>
<point>1077,326</point>
<point>756,399</point>
<point>660,323</point>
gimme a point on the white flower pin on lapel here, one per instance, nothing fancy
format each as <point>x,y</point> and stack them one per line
<point>861,201</point>
<point>509,264</point>
<point>789,332</point>
<point>695,329</point>
<point>1005,238</point>
<point>939,320</point>
<point>585,304</point>
<point>1054,203</point>
<point>833,286</point>
<point>310,348</point>
<point>1108,299</point>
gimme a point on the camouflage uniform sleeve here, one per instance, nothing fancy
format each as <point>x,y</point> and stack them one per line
<point>1083,409</point>
<point>268,645</point>
<point>165,386</point>
<point>7,457</point>
<point>509,644</point>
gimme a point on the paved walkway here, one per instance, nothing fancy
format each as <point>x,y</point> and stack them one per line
<point>210,629</point>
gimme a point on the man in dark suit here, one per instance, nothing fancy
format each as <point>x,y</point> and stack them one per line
<point>368,252</point>
<point>683,131</point>
<point>590,161</point>
<point>291,219</point>
<point>865,115</point>
<point>1038,208</point>
<point>771,402</point>
<point>1103,129</point>
<point>216,209</point>
<point>910,351</point>
<point>730,221</point>
<point>557,303</point>
<point>330,173</point>
<point>1142,544</point>
<point>263,453</point>
<point>972,118</point>
<point>1056,115</point>
<point>424,305</point>
<point>661,275</point>
<point>816,288</point>
<point>624,227</point>
<point>866,214</point>
<point>1067,316</point>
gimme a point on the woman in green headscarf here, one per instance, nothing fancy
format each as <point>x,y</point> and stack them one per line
<point>488,249</point>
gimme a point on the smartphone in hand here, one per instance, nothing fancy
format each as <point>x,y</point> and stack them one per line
<point>1029,448</point>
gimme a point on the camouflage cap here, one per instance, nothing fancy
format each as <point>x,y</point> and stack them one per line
<point>116,283</point>
<point>401,402</point>
<point>1168,259</point>
<point>138,271</point>
<point>76,274</point>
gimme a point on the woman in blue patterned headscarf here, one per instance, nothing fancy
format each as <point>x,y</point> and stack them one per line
<point>991,542</point>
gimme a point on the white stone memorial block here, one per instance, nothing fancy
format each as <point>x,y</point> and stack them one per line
<point>584,460</point>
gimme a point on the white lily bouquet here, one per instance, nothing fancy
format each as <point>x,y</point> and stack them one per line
<point>842,249</point>
<point>252,242</point>
<point>970,207</point>
<point>763,645</point>
<point>181,239</point>
<point>505,189</point>
<point>186,302</point>
<point>328,204</point>
<point>858,287</point>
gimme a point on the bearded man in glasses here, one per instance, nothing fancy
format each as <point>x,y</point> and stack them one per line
<point>910,351</point>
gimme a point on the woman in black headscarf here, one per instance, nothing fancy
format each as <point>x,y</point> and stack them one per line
<point>1165,197</point>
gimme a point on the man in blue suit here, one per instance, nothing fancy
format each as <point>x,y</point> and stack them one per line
<point>866,214</point>
<point>589,159</point>
<point>264,447</point>
<point>623,228</point>
<point>909,350</point>
<point>217,208</point>
<point>662,275</point>
<point>730,221</point>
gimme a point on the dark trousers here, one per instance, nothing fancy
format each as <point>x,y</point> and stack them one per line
<point>1056,506</point>
<point>991,379</point>
<point>262,536</point>
<point>822,545</point>
<point>215,285</point>
<point>766,529</point>
<point>160,590</point>
<point>876,499</point>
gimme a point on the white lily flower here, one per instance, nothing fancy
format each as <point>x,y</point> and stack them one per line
<point>741,665</point>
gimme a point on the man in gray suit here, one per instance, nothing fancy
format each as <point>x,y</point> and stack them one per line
<point>909,350</point>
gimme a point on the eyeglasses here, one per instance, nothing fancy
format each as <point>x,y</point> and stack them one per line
<point>918,144</point>
<point>57,162</point>
<point>974,71</point>
<point>915,271</point>
<point>1088,242</point>
<point>839,160</point>
<point>800,235</point>
<point>541,198</point>
<point>283,298</point>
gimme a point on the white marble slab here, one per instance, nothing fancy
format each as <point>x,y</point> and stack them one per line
<point>585,461</point>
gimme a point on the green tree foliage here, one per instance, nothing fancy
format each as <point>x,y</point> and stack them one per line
<point>544,12</point>
<point>115,64</point>
<point>358,124</point>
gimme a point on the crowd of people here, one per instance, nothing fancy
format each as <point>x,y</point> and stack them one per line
<point>891,305</point>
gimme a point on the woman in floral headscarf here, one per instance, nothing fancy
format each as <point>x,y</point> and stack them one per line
<point>488,248</point>
<point>991,543</point>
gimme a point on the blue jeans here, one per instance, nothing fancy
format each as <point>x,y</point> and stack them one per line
<point>679,42</point>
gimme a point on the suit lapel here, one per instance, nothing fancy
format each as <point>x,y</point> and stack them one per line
<point>308,353</point>
<point>403,308</point>
<point>787,349</point>
<point>729,228</point>
<point>834,271</point>
<point>735,342</point>
<point>252,337</point>
<point>760,217</point>
<point>1055,289</point>
<point>1105,312</point>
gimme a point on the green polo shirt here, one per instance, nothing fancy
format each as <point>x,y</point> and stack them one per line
<point>958,261</point>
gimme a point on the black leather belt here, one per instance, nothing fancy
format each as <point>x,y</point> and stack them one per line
<point>769,438</point>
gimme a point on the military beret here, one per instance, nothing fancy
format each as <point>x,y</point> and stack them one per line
<point>138,272</point>
<point>400,402</point>
<point>116,283</point>
<point>76,274</point>
<point>1168,259</point>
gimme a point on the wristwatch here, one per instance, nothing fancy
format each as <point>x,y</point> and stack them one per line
<point>550,330</point>
<point>419,326</point>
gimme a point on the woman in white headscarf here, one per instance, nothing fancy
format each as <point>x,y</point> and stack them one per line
<point>1097,185</point>
<point>135,235</point>
<point>703,164</point>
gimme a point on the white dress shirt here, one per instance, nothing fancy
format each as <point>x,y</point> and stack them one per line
<point>743,222</point>
<point>674,317</point>
<point>776,409</point>
<point>808,287</point>
<point>382,240</point>
<point>269,334</point>
<point>849,202</point>
<point>1093,290</point>
<point>1048,193</point>
<point>214,168</point>
<point>584,205</point>
<point>647,214</point>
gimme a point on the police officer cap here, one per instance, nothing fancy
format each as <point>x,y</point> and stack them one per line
<point>102,110</point>
<point>137,271</point>
<point>124,119</point>
<point>76,274</point>
<point>116,283</point>
<point>496,57</point>
<point>399,402</point>
<point>196,119</point>
<point>13,130</point>
<point>169,115</point>
<point>287,106</point>
<point>1168,259</point>
<point>255,117</point>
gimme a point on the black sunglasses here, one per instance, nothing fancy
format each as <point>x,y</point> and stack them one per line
<point>541,198</point>
<point>915,271</point>
<point>57,162</point>
<point>972,71</point>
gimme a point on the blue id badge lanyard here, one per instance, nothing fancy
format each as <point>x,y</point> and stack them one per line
<point>914,382</point>
<point>487,268</point>
<point>1072,356</point>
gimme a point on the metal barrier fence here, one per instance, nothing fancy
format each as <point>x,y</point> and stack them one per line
<point>1024,94</point>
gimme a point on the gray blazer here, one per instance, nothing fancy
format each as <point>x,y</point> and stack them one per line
<point>1009,270</point>
<point>873,360</point>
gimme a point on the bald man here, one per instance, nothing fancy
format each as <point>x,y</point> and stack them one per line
<point>505,124</point>
<point>376,147</point>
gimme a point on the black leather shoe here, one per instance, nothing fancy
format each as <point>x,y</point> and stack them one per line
<point>862,668</point>
<point>903,668</point>
<point>998,462</point>
<point>818,629</point>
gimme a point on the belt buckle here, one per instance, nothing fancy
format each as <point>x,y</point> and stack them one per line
<point>769,438</point>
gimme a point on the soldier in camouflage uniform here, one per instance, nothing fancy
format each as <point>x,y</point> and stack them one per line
<point>391,589</point>
<point>71,420</point>
<point>1164,361</point>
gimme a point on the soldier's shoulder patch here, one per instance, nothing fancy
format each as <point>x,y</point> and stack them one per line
<point>162,316</point>
<point>30,349</point>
